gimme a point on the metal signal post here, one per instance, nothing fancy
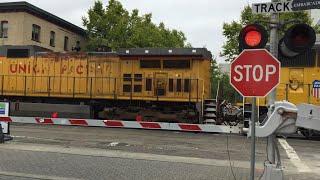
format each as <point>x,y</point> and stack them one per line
<point>272,96</point>
<point>253,138</point>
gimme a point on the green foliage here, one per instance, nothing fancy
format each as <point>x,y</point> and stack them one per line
<point>113,26</point>
<point>230,48</point>
<point>226,91</point>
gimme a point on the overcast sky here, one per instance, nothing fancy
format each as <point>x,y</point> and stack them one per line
<point>200,20</point>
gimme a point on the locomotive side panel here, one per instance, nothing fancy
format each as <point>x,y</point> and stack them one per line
<point>181,78</point>
<point>296,83</point>
<point>161,78</point>
<point>102,73</point>
<point>13,75</point>
<point>204,75</point>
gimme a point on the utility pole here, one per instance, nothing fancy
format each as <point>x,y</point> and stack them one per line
<point>272,96</point>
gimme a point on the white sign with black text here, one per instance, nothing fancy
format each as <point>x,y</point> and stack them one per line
<point>276,7</point>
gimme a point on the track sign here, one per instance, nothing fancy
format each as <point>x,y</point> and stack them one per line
<point>254,73</point>
<point>276,7</point>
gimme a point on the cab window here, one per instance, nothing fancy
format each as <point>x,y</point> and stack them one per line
<point>150,64</point>
<point>176,64</point>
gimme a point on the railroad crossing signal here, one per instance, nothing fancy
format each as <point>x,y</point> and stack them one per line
<point>297,39</point>
<point>253,36</point>
<point>255,73</point>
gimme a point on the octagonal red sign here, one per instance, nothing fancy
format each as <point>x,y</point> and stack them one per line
<point>255,73</point>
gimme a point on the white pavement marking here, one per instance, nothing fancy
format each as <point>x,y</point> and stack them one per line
<point>293,156</point>
<point>113,144</point>
<point>121,154</point>
<point>34,176</point>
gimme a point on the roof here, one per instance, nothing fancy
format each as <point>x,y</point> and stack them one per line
<point>196,52</point>
<point>31,9</point>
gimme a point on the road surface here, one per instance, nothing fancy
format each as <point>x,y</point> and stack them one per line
<point>61,152</point>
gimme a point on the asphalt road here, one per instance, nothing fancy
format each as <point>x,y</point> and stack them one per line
<point>56,152</point>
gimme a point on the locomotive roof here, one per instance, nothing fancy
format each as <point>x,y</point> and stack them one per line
<point>196,52</point>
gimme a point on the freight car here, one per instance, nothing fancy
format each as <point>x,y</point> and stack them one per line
<point>153,84</point>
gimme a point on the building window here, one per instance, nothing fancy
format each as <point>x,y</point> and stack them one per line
<point>4,29</point>
<point>176,64</point>
<point>52,38</point>
<point>170,85</point>
<point>150,64</point>
<point>148,84</point>
<point>137,77</point>
<point>186,85</point>
<point>66,43</point>
<point>36,32</point>
<point>126,77</point>
<point>178,85</point>
<point>77,47</point>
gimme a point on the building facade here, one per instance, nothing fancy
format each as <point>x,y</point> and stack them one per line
<point>26,29</point>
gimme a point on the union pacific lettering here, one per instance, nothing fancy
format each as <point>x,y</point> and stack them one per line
<point>35,69</point>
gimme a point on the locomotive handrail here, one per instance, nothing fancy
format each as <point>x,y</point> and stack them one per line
<point>93,87</point>
<point>300,94</point>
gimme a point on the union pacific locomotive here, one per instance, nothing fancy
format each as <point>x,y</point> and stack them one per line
<point>153,84</point>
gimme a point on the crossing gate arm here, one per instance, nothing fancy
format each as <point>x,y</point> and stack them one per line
<point>205,128</point>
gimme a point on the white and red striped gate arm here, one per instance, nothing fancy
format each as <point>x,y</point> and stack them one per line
<point>210,128</point>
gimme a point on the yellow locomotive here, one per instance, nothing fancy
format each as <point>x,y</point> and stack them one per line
<point>159,84</point>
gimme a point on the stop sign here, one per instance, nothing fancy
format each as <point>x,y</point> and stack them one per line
<point>254,73</point>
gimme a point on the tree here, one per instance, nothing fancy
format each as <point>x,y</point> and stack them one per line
<point>230,48</point>
<point>113,26</point>
<point>226,91</point>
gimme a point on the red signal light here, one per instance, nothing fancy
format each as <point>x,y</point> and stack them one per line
<point>253,38</point>
<point>297,39</point>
